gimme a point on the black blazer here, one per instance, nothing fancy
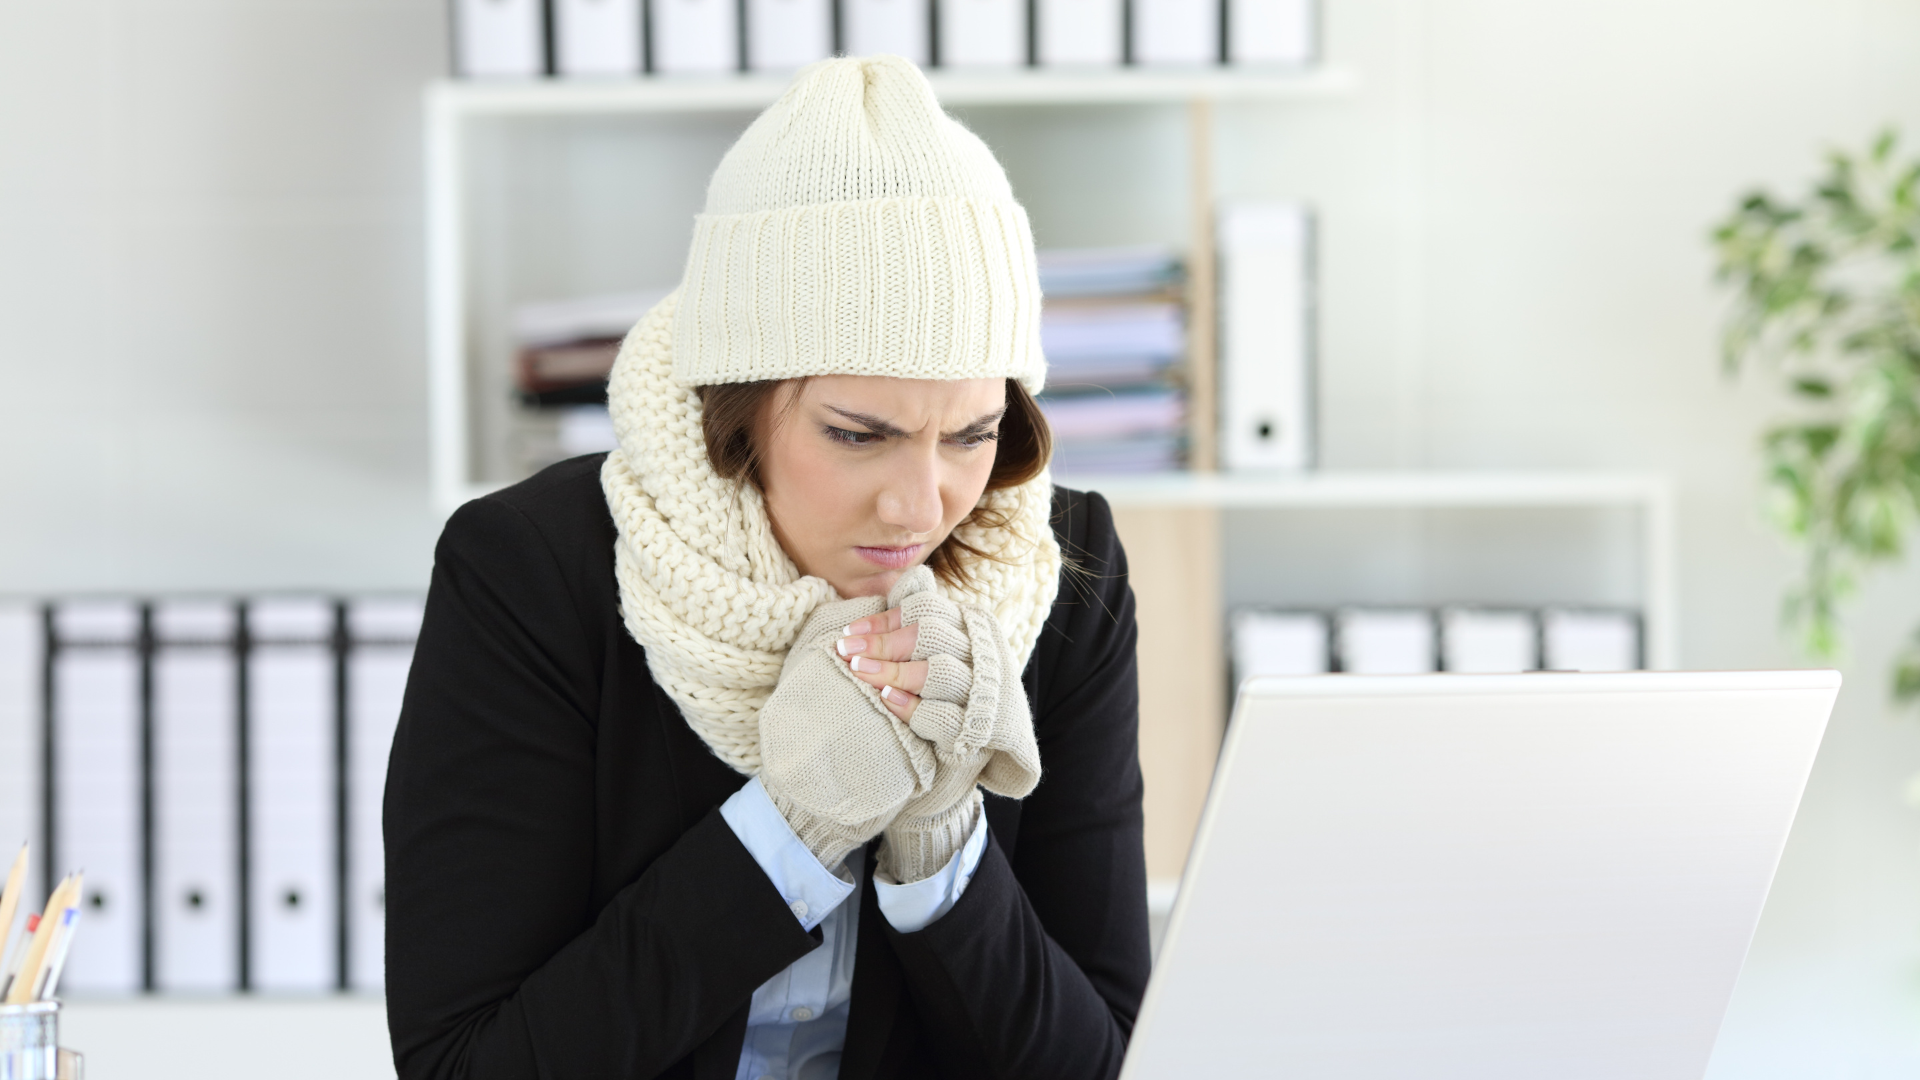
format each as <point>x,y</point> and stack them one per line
<point>564,900</point>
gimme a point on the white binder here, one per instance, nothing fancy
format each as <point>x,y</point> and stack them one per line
<point>1582,640</point>
<point>982,33</point>
<point>1176,32</point>
<point>1266,336</point>
<point>1272,32</point>
<point>695,36</point>
<point>495,39</point>
<point>292,809</point>
<point>97,788</point>
<point>376,679</point>
<point>1077,32</point>
<point>21,667</point>
<point>1385,641</point>
<point>196,797</point>
<point>898,27</point>
<point>1488,641</point>
<point>786,34</point>
<point>1279,643</point>
<point>597,38</point>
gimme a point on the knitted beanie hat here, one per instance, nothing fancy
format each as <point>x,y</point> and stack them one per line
<point>854,229</point>
<point>857,229</point>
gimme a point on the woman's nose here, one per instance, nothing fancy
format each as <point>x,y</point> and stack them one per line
<point>911,499</point>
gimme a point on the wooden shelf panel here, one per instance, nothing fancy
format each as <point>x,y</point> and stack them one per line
<point>722,93</point>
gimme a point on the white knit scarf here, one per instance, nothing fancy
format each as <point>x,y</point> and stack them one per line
<point>706,589</point>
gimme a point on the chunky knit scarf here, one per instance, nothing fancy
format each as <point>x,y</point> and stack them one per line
<point>706,589</point>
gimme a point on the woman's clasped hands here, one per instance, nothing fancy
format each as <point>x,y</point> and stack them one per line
<point>886,720</point>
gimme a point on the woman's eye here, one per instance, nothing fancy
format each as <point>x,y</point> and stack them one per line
<point>852,438</point>
<point>970,442</point>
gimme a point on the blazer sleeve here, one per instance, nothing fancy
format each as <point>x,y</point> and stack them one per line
<point>498,966</point>
<point>1039,969</point>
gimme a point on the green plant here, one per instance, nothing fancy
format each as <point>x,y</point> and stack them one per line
<point>1828,292</point>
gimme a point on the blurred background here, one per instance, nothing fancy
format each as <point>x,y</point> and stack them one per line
<point>269,276</point>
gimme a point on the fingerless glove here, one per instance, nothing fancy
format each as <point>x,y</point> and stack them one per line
<point>973,715</point>
<point>834,761</point>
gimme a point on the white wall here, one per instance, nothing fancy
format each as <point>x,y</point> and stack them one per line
<point>211,344</point>
<point>210,293</point>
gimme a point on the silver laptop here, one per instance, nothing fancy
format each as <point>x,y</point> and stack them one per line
<point>1479,877</point>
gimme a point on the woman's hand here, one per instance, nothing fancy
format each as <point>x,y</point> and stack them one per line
<point>945,671</point>
<point>832,760</point>
<point>878,649</point>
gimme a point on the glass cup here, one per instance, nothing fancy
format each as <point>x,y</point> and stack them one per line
<point>30,1044</point>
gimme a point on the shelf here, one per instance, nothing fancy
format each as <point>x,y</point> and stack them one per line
<point>721,93</point>
<point>1377,490</point>
<point>1649,495</point>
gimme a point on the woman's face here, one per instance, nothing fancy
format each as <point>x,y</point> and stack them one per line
<point>866,475</point>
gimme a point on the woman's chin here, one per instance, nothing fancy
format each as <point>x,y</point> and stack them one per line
<point>877,583</point>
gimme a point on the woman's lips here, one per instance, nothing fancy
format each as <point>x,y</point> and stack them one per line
<point>893,558</point>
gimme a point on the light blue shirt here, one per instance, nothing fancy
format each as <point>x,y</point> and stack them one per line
<point>797,1024</point>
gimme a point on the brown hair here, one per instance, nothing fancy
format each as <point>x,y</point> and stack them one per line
<point>730,414</point>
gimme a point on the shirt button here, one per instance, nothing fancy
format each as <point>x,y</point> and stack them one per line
<point>799,909</point>
<point>803,1014</point>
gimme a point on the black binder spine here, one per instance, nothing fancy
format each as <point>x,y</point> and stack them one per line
<point>49,750</point>
<point>145,644</point>
<point>243,801</point>
<point>342,647</point>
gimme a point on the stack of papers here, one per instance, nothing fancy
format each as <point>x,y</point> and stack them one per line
<point>1108,271</point>
<point>1114,334</point>
<point>564,349</point>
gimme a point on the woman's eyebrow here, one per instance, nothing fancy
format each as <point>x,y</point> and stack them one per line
<point>871,423</point>
<point>886,428</point>
<point>980,425</point>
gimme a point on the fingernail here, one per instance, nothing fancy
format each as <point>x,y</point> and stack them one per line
<point>871,665</point>
<point>850,645</point>
<point>891,694</point>
<point>860,627</point>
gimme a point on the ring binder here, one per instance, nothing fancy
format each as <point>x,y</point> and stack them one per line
<point>382,632</point>
<point>291,735</point>
<point>21,672</point>
<point>95,783</point>
<point>196,887</point>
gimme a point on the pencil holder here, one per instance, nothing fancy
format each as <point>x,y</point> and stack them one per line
<point>30,1044</point>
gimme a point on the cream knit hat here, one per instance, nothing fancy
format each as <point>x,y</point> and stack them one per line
<point>857,229</point>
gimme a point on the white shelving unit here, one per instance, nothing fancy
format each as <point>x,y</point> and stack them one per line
<point>1176,527</point>
<point>1649,496</point>
<point>691,93</point>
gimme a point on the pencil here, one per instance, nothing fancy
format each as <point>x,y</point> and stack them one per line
<point>57,954</point>
<point>21,991</point>
<point>68,916</point>
<point>10,901</point>
<point>19,955</point>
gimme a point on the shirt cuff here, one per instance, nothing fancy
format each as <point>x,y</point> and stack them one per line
<point>914,907</point>
<point>810,890</point>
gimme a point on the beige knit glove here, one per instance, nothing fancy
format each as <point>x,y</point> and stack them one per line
<point>973,712</point>
<point>836,764</point>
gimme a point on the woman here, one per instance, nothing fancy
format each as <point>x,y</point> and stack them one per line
<point>687,781</point>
